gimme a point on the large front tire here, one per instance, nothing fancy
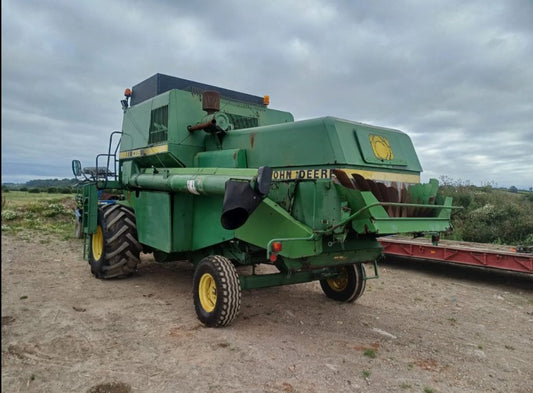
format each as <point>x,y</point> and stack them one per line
<point>348,286</point>
<point>113,249</point>
<point>217,291</point>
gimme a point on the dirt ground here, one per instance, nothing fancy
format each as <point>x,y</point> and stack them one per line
<point>418,328</point>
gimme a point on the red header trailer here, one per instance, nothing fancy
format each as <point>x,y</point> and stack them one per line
<point>475,254</point>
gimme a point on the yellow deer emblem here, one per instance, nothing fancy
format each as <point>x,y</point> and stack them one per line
<point>381,147</point>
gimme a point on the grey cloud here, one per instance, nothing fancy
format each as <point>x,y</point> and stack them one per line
<point>454,75</point>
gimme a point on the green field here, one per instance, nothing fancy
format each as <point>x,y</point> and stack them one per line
<point>25,213</point>
<point>488,215</point>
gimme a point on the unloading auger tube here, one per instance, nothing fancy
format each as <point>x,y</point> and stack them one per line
<point>243,191</point>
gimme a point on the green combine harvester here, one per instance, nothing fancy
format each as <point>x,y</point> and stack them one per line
<point>215,177</point>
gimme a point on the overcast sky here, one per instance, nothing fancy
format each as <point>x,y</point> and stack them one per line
<point>457,76</point>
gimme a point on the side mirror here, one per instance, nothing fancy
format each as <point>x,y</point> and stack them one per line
<point>76,167</point>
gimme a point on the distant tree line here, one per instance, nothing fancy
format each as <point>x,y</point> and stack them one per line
<point>60,186</point>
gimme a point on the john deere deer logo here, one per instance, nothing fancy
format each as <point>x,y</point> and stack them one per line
<point>381,147</point>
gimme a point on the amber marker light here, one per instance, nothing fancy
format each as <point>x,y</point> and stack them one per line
<point>266,100</point>
<point>127,92</point>
<point>277,247</point>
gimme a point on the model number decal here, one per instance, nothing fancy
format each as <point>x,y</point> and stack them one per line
<point>143,152</point>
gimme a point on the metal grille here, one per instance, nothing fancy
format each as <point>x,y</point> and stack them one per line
<point>159,125</point>
<point>242,121</point>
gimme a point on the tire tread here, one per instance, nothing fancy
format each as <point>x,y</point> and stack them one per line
<point>228,291</point>
<point>121,248</point>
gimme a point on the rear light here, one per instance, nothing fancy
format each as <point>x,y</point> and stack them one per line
<point>276,247</point>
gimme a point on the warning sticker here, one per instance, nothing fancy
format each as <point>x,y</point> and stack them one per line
<point>191,186</point>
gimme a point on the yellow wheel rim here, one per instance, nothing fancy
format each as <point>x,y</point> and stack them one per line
<point>98,243</point>
<point>207,291</point>
<point>339,284</point>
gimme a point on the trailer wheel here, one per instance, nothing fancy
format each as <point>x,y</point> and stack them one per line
<point>216,291</point>
<point>113,249</point>
<point>349,286</point>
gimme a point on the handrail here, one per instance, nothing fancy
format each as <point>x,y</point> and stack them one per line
<point>358,212</point>
<point>109,155</point>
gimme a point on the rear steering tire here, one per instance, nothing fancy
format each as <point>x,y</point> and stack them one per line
<point>348,286</point>
<point>113,249</point>
<point>216,291</point>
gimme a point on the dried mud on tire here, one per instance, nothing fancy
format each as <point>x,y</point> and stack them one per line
<point>417,328</point>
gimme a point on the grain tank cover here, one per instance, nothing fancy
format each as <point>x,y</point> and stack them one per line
<point>160,83</point>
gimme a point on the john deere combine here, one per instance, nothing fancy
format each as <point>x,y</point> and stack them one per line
<point>215,177</point>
